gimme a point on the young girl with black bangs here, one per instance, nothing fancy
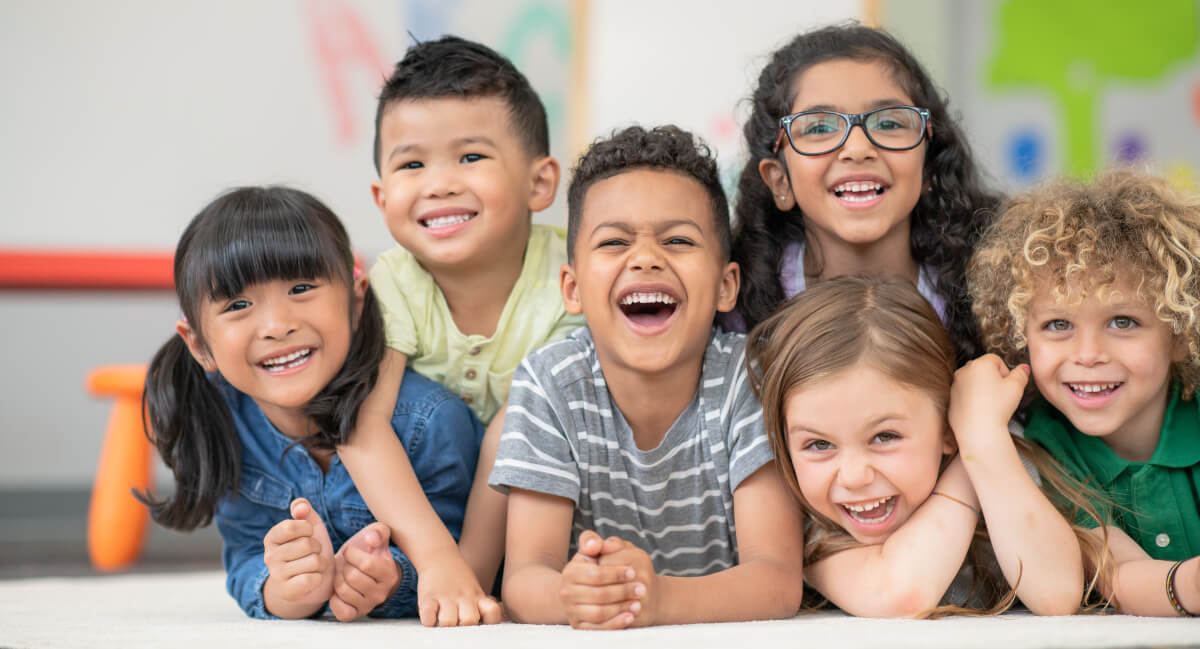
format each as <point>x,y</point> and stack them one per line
<point>898,196</point>
<point>280,342</point>
<point>870,425</point>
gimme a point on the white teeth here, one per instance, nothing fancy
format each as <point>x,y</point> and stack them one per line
<point>1092,387</point>
<point>867,506</point>
<point>647,298</point>
<point>858,187</point>
<point>443,221</point>
<point>287,360</point>
<point>872,512</point>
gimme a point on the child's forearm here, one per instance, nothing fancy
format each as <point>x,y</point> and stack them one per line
<point>482,542</point>
<point>1141,587</point>
<point>383,474</point>
<point>752,590</point>
<point>910,572</point>
<point>531,593</point>
<point>1035,546</point>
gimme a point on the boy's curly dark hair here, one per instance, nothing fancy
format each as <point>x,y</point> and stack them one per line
<point>1075,238</point>
<point>664,148</point>
<point>455,67</point>
<point>946,221</point>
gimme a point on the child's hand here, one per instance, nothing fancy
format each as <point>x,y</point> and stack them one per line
<point>598,596</point>
<point>299,558</point>
<point>449,594</point>
<point>365,573</point>
<point>618,552</point>
<point>983,398</point>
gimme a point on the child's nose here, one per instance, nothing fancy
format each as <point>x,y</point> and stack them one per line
<point>1089,348</point>
<point>443,181</point>
<point>277,321</point>
<point>645,256</point>
<point>857,146</point>
<point>855,471</point>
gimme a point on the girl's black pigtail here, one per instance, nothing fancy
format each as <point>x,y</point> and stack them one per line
<point>193,430</point>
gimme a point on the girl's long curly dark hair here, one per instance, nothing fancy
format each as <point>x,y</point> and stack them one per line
<point>246,236</point>
<point>946,222</point>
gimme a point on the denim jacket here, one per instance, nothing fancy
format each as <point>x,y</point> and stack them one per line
<point>440,434</point>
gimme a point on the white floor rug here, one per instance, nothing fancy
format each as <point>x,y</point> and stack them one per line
<point>192,610</point>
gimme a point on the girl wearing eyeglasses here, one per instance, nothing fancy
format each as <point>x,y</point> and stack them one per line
<point>855,168</point>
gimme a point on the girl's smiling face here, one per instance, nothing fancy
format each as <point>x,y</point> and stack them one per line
<point>858,195</point>
<point>867,450</point>
<point>278,341</point>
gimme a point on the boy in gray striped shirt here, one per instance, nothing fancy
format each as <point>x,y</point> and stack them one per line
<point>642,427</point>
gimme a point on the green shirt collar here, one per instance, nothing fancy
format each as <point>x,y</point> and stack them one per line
<point>1178,442</point>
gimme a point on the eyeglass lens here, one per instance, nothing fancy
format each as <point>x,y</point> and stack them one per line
<point>890,128</point>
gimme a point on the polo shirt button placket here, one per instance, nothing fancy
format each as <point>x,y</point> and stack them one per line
<point>1162,540</point>
<point>470,374</point>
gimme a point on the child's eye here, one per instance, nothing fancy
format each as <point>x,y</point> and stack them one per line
<point>885,436</point>
<point>472,157</point>
<point>1123,322</point>
<point>817,445</point>
<point>1057,325</point>
<point>679,241</point>
<point>412,164</point>
<point>236,305</point>
<point>611,242</point>
<point>302,287</point>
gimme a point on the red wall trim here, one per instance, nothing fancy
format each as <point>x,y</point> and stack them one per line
<point>85,269</point>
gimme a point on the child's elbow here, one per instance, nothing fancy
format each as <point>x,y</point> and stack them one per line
<point>908,602</point>
<point>1064,602</point>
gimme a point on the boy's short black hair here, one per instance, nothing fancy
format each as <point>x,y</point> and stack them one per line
<point>455,67</point>
<point>663,148</point>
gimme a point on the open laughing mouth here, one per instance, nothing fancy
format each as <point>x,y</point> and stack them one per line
<point>648,308</point>
<point>859,192</point>
<point>871,513</point>
<point>1093,390</point>
<point>438,222</point>
<point>287,361</point>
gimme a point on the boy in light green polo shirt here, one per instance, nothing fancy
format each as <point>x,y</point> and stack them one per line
<point>462,150</point>
<point>1096,286</point>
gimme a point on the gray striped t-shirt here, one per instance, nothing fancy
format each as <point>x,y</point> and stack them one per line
<point>564,436</point>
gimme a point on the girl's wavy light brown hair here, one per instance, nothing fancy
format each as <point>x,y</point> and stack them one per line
<point>888,325</point>
<point>1075,238</point>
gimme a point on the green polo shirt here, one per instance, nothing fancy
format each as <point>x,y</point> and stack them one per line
<point>1159,500</point>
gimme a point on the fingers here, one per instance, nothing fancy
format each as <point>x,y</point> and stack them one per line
<point>589,544</point>
<point>590,574</point>
<point>341,610</point>
<point>617,616</point>
<point>302,510</point>
<point>578,594</point>
<point>427,611</point>
<point>490,611</point>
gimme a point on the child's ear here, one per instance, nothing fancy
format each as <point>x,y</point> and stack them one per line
<point>377,194</point>
<point>195,347</point>
<point>727,293</point>
<point>949,445</point>
<point>545,174</point>
<point>570,289</point>
<point>358,294</point>
<point>1179,349</point>
<point>775,177</point>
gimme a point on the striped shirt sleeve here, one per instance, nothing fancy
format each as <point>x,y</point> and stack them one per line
<point>535,453</point>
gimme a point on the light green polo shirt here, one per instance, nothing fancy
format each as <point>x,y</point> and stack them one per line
<point>418,323</point>
<point>1160,497</point>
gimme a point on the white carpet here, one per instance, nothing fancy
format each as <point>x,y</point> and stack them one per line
<point>192,610</point>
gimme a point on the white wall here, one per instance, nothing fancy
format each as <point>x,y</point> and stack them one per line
<point>122,119</point>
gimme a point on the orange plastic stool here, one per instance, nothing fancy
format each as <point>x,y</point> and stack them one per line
<point>116,520</point>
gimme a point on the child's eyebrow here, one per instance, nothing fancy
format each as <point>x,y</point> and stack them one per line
<point>662,226</point>
<point>474,139</point>
<point>878,103</point>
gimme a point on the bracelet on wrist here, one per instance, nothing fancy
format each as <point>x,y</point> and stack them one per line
<point>963,503</point>
<point>1183,612</point>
